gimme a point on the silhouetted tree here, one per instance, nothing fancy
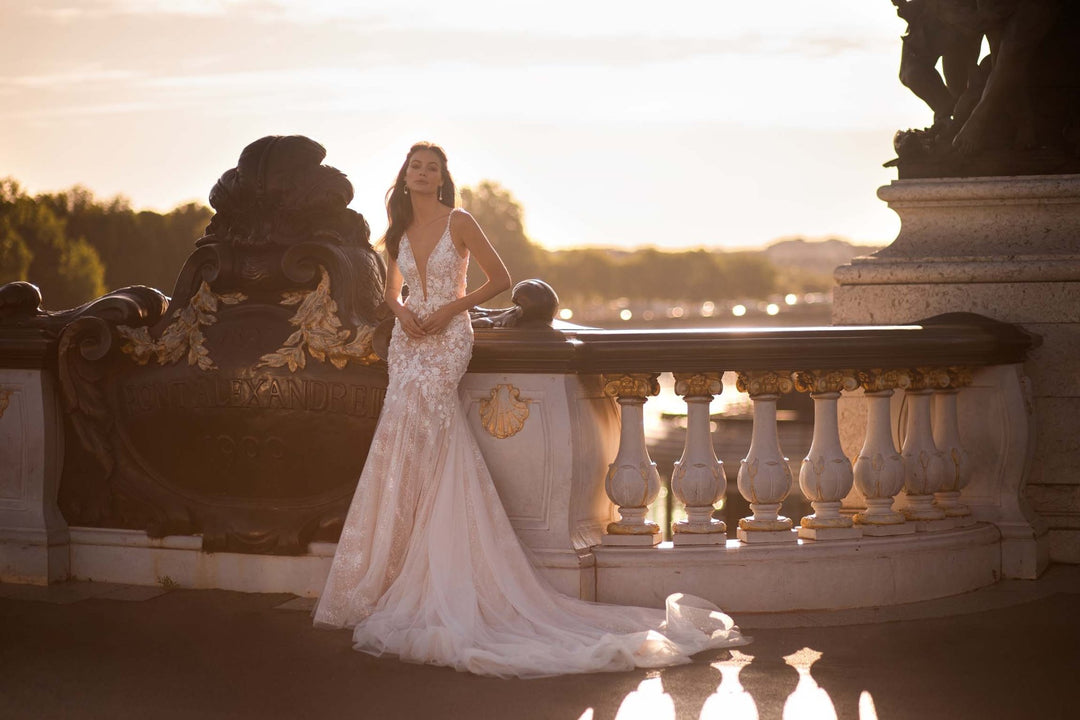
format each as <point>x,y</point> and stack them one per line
<point>68,270</point>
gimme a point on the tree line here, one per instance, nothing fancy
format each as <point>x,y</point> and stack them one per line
<point>76,247</point>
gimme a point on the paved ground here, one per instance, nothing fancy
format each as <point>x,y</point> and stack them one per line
<point>90,650</point>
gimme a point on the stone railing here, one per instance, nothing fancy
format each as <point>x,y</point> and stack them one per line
<point>916,428</point>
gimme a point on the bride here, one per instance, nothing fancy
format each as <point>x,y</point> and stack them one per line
<point>428,567</point>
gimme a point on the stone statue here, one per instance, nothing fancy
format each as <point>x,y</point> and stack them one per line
<point>1016,112</point>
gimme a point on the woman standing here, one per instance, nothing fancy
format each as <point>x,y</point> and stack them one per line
<point>428,567</point>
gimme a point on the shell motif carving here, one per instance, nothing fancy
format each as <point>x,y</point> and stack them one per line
<point>182,338</point>
<point>504,413</point>
<point>319,333</point>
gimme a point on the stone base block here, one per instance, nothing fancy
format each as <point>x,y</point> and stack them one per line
<point>904,528</point>
<point>962,520</point>
<point>804,576</point>
<point>611,540</point>
<point>129,557</point>
<point>33,557</point>
<point>933,525</point>
<point>848,533</point>
<point>685,538</point>
<point>767,537</point>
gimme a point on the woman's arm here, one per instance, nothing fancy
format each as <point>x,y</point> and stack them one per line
<point>465,230</point>
<point>392,295</point>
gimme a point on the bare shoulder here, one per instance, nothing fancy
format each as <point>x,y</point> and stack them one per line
<point>464,228</point>
<point>461,219</point>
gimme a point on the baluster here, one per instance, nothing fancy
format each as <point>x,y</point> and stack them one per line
<point>826,476</point>
<point>632,481</point>
<point>879,469</point>
<point>924,466</point>
<point>947,440</point>
<point>698,478</point>
<point>764,475</point>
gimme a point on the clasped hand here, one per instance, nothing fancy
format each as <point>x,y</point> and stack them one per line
<point>433,324</point>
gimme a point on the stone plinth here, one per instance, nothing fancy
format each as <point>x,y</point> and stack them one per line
<point>33,534</point>
<point>1007,248</point>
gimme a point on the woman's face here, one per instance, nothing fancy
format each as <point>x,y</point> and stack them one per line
<point>423,173</point>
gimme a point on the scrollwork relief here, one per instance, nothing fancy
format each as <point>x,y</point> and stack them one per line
<point>184,336</point>
<point>319,333</point>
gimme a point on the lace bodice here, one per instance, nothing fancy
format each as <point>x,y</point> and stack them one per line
<point>444,278</point>
<point>434,364</point>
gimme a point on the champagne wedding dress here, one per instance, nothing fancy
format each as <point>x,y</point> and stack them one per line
<point>428,567</point>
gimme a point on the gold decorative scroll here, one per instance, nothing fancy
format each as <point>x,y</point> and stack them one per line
<point>504,413</point>
<point>631,385</point>
<point>319,333</point>
<point>959,377</point>
<point>878,380</point>
<point>825,381</point>
<point>183,337</point>
<point>764,382</point>
<point>5,399</point>
<point>698,384</point>
<point>926,378</point>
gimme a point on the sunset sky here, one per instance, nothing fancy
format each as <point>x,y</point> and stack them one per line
<point>685,124</point>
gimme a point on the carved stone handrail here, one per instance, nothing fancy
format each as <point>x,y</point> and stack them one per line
<point>953,339</point>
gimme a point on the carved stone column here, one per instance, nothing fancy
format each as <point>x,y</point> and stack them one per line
<point>826,476</point>
<point>698,478</point>
<point>764,476</point>
<point>879,469</point>
<point>632,481</point>
<point>947,440</point>
<point>924,466</point>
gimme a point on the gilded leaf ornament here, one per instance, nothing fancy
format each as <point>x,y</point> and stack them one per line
<point>631,385</point>
<point>925,378</point>
<point>766,382</point>
<point>878,380</point>
<point>825,381</point>
<point>698,384</point>
<point>319,333</point>
<point>504,413</point>
<point>183,337</point>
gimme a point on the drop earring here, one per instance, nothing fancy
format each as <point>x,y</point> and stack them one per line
<point>440,193</point>
<point>405,189</point>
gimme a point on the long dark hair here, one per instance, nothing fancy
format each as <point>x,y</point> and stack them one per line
<point>399,207</point>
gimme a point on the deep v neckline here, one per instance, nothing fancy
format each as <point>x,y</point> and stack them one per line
<point>422,274</point>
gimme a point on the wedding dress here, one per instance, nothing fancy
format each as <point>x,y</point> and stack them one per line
<point>428,567</point>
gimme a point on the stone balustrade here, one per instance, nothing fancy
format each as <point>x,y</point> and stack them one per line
<point>915,472</point>
<point>917,434</point>
<point>924,480</point>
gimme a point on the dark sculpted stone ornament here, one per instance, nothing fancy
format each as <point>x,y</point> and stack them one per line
<point>243,408</point>
<point>1015,112</point>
